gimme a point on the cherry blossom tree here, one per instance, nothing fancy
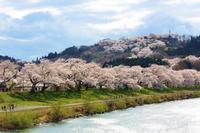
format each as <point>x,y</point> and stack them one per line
<point>46,74</point>
<point>8,72</point>
<point>31,72</point>
<point>73,74</point>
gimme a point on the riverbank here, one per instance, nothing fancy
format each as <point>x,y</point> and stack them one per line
<point>180,116</point>
<point>63,105</point>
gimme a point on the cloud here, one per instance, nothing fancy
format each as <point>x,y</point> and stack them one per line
<point>193,20</point>
<point>100,6</point>
<point>123,21</point>
<point>35,27</point>
<point>182,2</point>
<point>3,38</point>
<point>112,16</point>
<point>40,33</point>
<point>162,23</point>
<point>34,1</point>
<point>20,13</point>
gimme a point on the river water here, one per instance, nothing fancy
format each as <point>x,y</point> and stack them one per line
<point>171,117</point>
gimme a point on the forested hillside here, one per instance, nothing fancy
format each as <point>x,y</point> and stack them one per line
<point>143,49</point>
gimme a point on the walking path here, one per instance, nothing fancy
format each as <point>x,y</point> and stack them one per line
<point>23,108</point>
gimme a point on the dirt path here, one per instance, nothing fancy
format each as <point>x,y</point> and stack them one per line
<point>23,108</point>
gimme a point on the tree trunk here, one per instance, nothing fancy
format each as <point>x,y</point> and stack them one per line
<point>33,88</point>
<point>78,88</point>
<point>44,87</point>
<point>10,87</point>
<point>4,87</point>
<point>86,87</point>
<point>78,85</point>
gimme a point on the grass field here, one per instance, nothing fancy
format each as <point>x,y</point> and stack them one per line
<point>66,97</point>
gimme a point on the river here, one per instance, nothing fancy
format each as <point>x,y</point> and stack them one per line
<point>170,117</point>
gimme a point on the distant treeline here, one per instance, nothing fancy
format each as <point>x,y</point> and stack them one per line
<point>2,58</point>
<point>143,62</point>
<point>191,47</point>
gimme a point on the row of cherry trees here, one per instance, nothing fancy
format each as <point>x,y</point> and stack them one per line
<point>72,74</point>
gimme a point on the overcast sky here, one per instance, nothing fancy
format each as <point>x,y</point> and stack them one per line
<point>33,28</point>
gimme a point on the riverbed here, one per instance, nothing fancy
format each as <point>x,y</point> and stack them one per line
<point>170,117</point>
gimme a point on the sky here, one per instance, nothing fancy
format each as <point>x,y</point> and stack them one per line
<point>33,28</point>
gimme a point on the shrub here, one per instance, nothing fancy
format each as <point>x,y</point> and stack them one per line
<point>139,100</point>
<point>130,102</point>
<point>56,114</point>
<point>2,100</point>
<point>195,94</point>
<point>96,107</point>
<point>111,105</point>
<point>18,120</point>
<point>152,99</point>
<point>120,104</point>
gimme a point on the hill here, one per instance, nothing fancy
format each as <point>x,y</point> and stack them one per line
<point>151,46</point>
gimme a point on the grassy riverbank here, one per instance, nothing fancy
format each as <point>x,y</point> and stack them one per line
<point>63,105</point>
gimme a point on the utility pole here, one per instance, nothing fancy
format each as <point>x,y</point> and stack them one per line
<point>169,32</point>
